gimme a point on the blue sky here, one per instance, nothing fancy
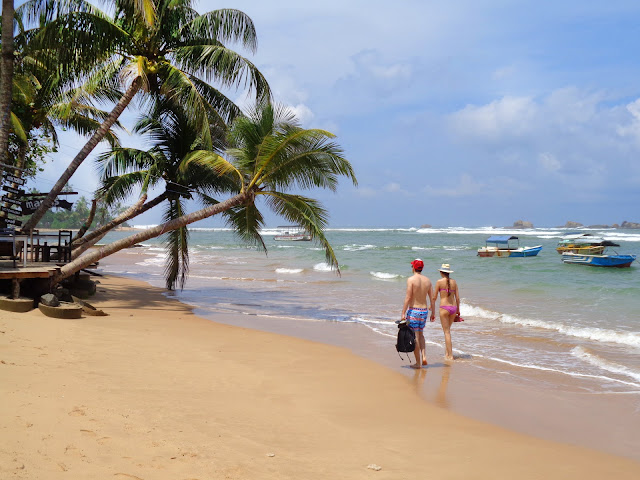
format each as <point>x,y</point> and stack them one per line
<point>457,113</point>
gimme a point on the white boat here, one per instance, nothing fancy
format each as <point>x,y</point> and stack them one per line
<point>292,233</point>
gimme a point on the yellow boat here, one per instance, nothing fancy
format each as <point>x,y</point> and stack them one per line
<point>583,243</point>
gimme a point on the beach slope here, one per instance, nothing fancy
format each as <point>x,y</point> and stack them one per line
<point>154,392</point>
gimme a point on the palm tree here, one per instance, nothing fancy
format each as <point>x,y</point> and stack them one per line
<point>161,47</point>
<point>174,141</point>
<point>6,77</point>
<point>269,155</point>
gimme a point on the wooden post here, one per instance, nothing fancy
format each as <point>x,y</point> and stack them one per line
<point>15,290</point>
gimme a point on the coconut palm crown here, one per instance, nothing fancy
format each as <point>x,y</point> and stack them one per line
<point>124,170</point>
<point>161,47</point>
<point>270,156</point>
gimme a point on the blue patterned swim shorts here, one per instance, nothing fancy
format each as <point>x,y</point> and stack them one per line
<point>417,318</point>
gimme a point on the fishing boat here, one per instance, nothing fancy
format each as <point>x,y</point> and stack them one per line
<point>583,243</point>
<point>602,260</point>
<point>618,261</point>
<point>507,246</point>
<point>292,233</point>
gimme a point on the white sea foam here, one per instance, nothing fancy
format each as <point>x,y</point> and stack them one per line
<point>455,247</point>
<point>555,370</point>
<point>357,248</point>
<point>155,249</point>
<point>323,267</point>
<point>422,248</point>
<point>607,365</point>
<point>384,276</point>
<point>289,270</point>
<point>590,333</point>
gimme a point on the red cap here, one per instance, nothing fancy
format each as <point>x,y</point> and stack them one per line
<point>417,264</point>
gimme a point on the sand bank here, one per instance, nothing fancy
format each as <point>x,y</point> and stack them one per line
<point>155,392</point>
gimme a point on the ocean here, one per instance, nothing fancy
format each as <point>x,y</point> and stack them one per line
<point>542,322</point>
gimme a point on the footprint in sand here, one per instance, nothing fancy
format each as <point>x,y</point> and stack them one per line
<point>77,412</point>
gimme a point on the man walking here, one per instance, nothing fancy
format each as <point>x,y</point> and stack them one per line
<point>415,309</point>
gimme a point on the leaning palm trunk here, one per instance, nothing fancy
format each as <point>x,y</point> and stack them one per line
<point>137,209</point>
<point>75,253</point>
<point>6,78</point>
<point>83,154</point>
<point>87,223</point>
<point>89,258</point>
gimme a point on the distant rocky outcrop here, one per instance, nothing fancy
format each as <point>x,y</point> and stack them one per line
<point>626,224</point>
<point>571,224</point>
<point>426,225</point>
<point>522,224</point>
<point>600,226</point>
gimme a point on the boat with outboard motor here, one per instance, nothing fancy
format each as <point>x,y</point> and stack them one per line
<point>599,260</point>
<point>503,246</point>
<point>293,233</point>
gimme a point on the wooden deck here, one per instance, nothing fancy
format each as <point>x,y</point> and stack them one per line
<point>31,273</point>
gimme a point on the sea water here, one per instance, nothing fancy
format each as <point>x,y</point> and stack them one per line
<point>578,325</point>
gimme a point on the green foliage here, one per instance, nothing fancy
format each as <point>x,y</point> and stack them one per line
<point>74,219</point>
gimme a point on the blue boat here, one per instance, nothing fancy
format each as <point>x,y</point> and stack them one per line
<point>502,246</point>
<point>618,261</point>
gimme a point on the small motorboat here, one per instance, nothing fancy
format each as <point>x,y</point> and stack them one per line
<point>617,261</point>
<point>503,246</point>
<point>583,243</point>
<point>292,233</point>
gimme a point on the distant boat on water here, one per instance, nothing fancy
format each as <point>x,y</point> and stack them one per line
<point>292,233</point>
<point>507,246</point>
<point>599,259</point>
<point>618,261</point>
<point>583,243</point>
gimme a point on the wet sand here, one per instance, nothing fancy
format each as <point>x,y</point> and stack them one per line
<point>155,392</point>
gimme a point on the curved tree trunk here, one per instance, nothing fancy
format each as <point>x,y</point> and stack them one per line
<point>87,223</point>
<point>137,209</point>
<point>83,154</point>
<point>89,258</point>
<point>86,246</point>
<point>6,78</point>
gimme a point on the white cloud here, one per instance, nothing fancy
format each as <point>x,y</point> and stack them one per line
<point>506,117</point>
<point>549,162</point>
<point>303,114</point>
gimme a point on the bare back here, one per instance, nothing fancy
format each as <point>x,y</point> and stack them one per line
<point>448,296</point>
<point>418,289</point>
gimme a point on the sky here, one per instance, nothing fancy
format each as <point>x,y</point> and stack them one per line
<point>457,113</point>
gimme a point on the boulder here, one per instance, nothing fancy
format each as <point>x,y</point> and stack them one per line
<point>571,224</point>
<point>522,224</point>
<point>426,225</point>
<point>50,300</point>
<point>615,225</point>
<point>633,225</point>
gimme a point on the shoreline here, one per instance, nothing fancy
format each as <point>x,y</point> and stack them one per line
<point>154,391</point>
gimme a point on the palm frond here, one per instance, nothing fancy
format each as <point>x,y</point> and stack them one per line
<point>220,64</point>
<point>246,222</point>
<point>18,128</point>
<point>225,25</point>
<point>176,242</point>
<point>120,188</point>
<point>306,212</point>
<point>213,161</point>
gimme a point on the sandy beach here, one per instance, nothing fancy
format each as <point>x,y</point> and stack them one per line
<point>153,391</point>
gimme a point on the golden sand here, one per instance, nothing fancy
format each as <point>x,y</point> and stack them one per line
<point>154,392</point>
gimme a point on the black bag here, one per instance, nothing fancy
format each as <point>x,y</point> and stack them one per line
<point>406,338</point>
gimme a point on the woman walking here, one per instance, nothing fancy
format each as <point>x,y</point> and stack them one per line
<point>449,310</point>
